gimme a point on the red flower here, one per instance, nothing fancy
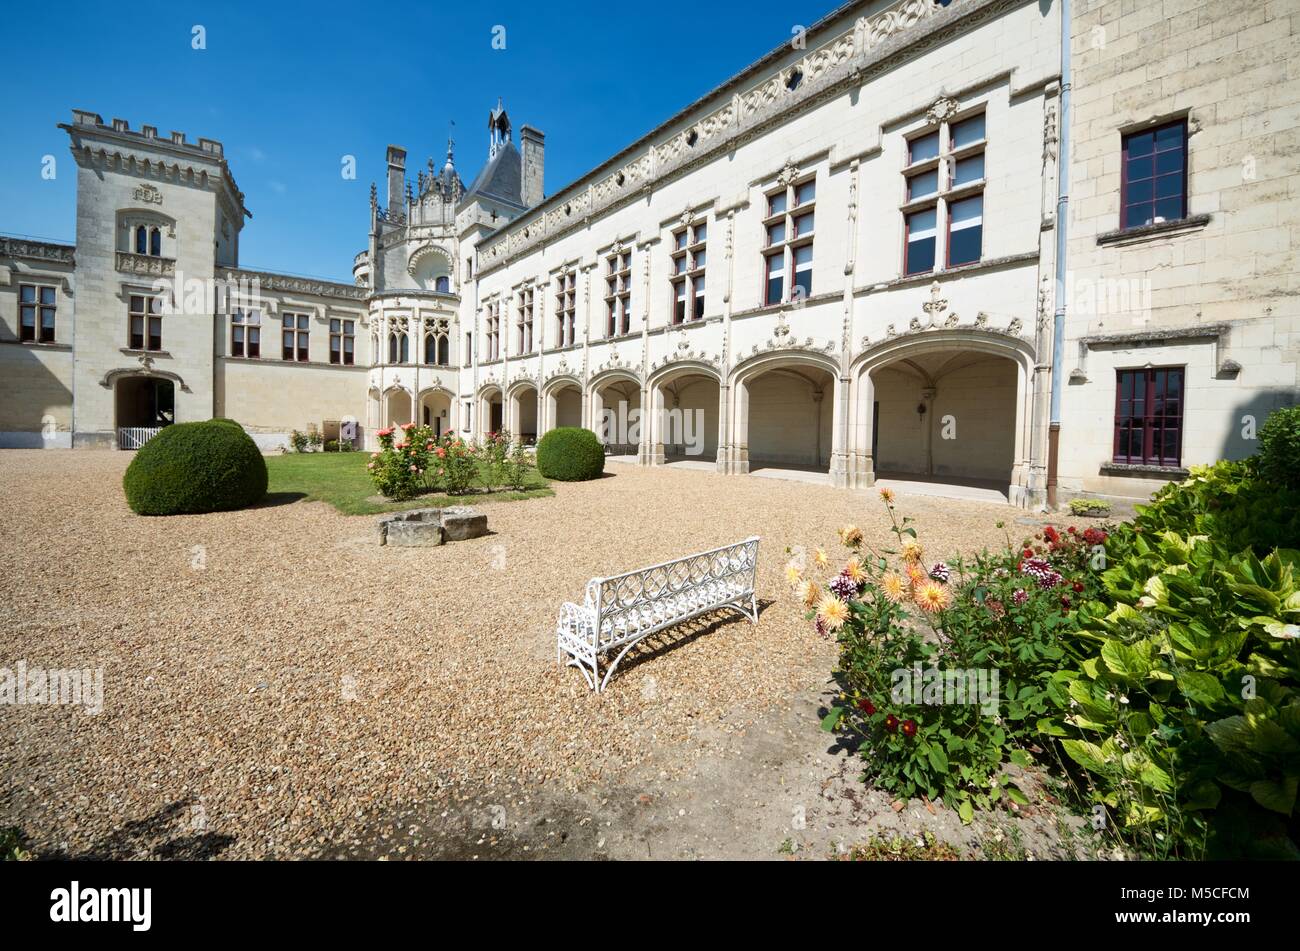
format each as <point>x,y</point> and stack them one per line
<point>1073,530</point>
<point>1094,536</point>
<point>1078,586</point>
<point>909,728</point>
<point>866,706</point>
<point>1029,553</point>
<point>1052,535</point>
<point>1065,601</point>
<point>891,723</point>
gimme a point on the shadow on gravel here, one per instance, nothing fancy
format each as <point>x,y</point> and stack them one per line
<point>273,499</point>
<point>153,838</point>
<point>679,634</point>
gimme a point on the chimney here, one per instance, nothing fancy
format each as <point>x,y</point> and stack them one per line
<point>396,179</point>
<point>533,145</point>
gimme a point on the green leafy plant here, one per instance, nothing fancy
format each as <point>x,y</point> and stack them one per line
<point>570,454</point>
<point>206,466</point>
<point>1279,447</point>
<point>1092,507</point>
<point>298,441</point>
<point>1183,708</point>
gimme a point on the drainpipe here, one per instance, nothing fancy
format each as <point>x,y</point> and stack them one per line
<point>1062,215</point>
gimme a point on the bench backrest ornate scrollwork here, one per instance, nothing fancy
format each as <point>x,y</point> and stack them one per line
<point>636,601</point>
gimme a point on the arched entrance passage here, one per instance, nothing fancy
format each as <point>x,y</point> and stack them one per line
<point>522,421</point>
<point>944,408</point>
<point>562,404</point>
<point>683,422</point>
<point>783,416</point>
<point>491,412</point>
<point>435,411</point>
<point>141,406</point>
<point>396,407</point>
<point>616,412</point>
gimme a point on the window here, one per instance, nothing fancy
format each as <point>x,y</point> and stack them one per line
<point>566,309</point>
<point>294,337</point>
<point>690,255</point>
<point>788,227</point>
<point>148,240</point>
<point>965,230</point>
<point>342,341</point>
<point>618,293</point>
<point>436,349</point>
<point>246,333</point>
<point>1154,176</point>
<point>524,321</point>
<point>36,313</point>
<point>469,349</point>
<point>145,322</point>
<point>921,237</point>
<point>944,181</point>
<point>493,331</point>
<point>1149,416</point>
<point>442,285</point>
<point>398,347</point>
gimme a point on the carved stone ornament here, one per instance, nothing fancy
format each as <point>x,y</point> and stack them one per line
<point>789,172</point>
<point>944,108</point>
<point>149,194</point>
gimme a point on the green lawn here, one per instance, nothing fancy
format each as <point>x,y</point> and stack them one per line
<point>340,478</point>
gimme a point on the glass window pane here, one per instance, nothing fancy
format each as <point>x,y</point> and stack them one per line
<point>923,147</point>
<point>776,233</point>
<point>804,224</point>
<point>805,193</point>
<point>926,183</point>
<point>803,256</point>
<point>1140,168</point>
<point>28,293</point>
<point>967,131</point>
<point>1140,144</point>
<point>776,203</point>
<point>47,295</point>
<point>701,233</point>
<point>969,170</point>
<point>1170,161</point>
<point>1170,137</point>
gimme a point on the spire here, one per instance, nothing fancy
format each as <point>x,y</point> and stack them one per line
<point>498,129</point>
<point>451,145</point>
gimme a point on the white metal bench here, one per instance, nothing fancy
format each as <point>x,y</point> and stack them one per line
<point>622,610</point>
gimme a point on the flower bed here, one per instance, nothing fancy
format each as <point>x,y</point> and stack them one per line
<point>1153,667</point>
<point>411,461</point>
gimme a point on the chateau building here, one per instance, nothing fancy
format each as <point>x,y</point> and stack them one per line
<point>859,256</point>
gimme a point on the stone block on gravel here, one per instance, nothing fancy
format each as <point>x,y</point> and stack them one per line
<point>419,528</point>
<point>460,522</point>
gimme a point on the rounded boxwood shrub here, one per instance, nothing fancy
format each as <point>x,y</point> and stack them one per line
<point>212,466</point>
<point>570,454</point>
<point>1279,447</point>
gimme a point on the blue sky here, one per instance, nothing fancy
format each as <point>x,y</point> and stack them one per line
<point>290,88</point>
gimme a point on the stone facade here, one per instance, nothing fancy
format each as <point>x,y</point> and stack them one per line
<point>740,273</point>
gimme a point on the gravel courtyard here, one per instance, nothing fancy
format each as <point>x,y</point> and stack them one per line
<point>275,683</point>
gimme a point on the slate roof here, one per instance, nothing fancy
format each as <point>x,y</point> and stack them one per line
<point>501,179</point>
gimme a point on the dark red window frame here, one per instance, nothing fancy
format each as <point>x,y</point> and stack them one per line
<point>1149,406</point>
<point>1128,202</point>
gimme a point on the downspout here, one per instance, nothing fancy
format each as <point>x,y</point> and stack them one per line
<point>1062,218</point>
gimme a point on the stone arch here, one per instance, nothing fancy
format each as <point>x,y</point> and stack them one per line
<point>613,404</point>
<point>521,419</point>
<point>436,409</point>
<point>684,399</point>
<point>397,406</point>
<point>785,414</point>
<point>561,402</point>
<point>489,415</point>
<point>430,262</point>
<point>976,387</point>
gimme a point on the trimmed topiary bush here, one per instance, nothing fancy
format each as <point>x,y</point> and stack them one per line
<point>570,454</point>
<point>1279,447</point>
<point>212,466</point>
